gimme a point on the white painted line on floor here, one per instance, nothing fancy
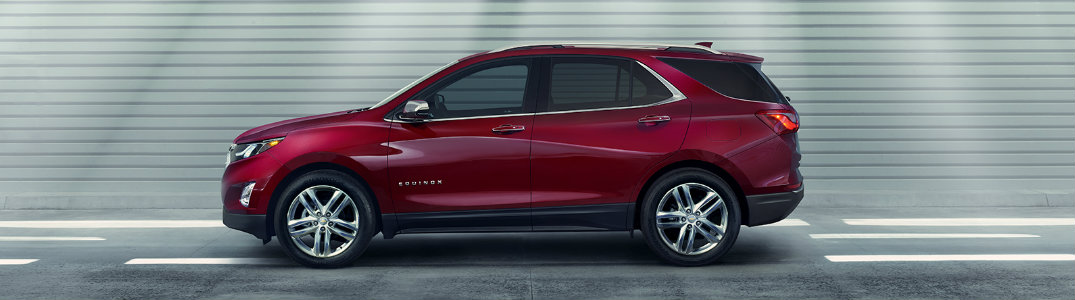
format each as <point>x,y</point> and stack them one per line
<point>964,222</point>
<point>789,222</point>
<point>918,235</point>
<point>113,224</point>
<point>958,257</point>
<point>16,261</point>
<point>48,238</point>
<point>204,261</point>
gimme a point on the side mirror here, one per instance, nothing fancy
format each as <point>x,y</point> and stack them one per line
<point>415,111</point>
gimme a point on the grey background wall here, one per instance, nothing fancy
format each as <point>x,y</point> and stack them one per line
<point>132,103</point>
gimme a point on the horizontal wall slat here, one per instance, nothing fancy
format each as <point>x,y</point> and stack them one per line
<point>113,161</point>
<point>415,71</point>
<point>440,58</point>
<point>806,135</point>
<point>921,185</point>
<point>1056,17</point>
<point>106,136</point>
<point>937,185</point>
<point>953,159</point>
<point>464,43</point>
<point>481,7</point>
<point>870,185</point>
<point>807,108</point>
<point>936,134</point>
<point>539,32</point>
<point>186,174</point>
<point>146,122</point>
<point>814,111</point>
<point>813,160</point>
<point>366,98</point>
<point>238,120</point>
<point>112,186</point>
<point>124,174</point>
<point>808,148</point>
<point>789,84</point>
<point>1010,172</point>
<point>942,121</point>
<point>968,147</point>
<point>23,149</point>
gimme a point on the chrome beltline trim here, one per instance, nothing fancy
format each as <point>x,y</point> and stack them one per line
<point>676,96</point>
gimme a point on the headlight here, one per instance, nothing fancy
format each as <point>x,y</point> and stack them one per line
<point>241,151</point>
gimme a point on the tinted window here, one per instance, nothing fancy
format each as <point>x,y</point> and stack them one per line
<point>732,79</point>
<point>583,83</point>
<point>493,90</point>
<point>646,88</point>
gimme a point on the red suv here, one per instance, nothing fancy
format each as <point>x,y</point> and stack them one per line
<point>684,143</point>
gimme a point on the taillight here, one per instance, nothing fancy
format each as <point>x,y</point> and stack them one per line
<point>781,121</point>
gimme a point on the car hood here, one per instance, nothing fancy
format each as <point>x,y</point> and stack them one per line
<point>281,128</point>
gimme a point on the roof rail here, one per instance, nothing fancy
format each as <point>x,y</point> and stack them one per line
<point>687,48</point>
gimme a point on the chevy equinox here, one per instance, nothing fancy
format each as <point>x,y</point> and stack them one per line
<point>684,143</point>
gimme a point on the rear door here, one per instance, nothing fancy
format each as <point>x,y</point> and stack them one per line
<point>603,122</point>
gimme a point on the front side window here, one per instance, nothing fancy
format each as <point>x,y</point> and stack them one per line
<point>495,89</point>
<point>586,83</point>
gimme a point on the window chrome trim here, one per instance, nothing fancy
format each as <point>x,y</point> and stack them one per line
<point>676,96</point>
<point>459,118</point>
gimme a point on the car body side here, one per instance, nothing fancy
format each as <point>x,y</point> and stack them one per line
<point>730,142</point>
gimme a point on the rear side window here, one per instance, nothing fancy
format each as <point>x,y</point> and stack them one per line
<point>732,79</point>
<point>586,83</point>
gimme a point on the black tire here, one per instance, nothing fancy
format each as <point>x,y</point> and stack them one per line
<point>653,235</point>
<point>366,218</point>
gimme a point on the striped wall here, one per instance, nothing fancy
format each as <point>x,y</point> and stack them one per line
<point>118,103</point>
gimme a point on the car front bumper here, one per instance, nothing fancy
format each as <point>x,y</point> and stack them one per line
<point>252,224</point>
<point>770,208</point>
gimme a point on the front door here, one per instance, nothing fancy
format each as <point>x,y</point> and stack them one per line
<point>471,160</point>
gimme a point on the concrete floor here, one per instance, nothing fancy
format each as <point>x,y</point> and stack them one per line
<point>767,262</point>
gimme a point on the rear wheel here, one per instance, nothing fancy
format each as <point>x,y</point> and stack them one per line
<point>324,219</point>
<point>690,217</point>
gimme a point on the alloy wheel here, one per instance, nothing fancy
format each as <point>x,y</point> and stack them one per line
<point>322,221</point>
<point>692,218</point>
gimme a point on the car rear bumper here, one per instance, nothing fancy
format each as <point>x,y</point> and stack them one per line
<point>252,224</point>
<point>770,208</point>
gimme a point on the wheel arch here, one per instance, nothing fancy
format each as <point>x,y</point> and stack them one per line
<point>740,197</point>
<point>311,167</point>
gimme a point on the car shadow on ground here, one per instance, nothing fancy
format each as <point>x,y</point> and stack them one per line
<point>529,249</point>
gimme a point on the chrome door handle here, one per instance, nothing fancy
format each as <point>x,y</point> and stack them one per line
<point>507,128</point>
<point>654,119</point>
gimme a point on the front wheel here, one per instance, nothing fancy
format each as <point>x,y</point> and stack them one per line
<point>324,219</point>
<point>690,217</point>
